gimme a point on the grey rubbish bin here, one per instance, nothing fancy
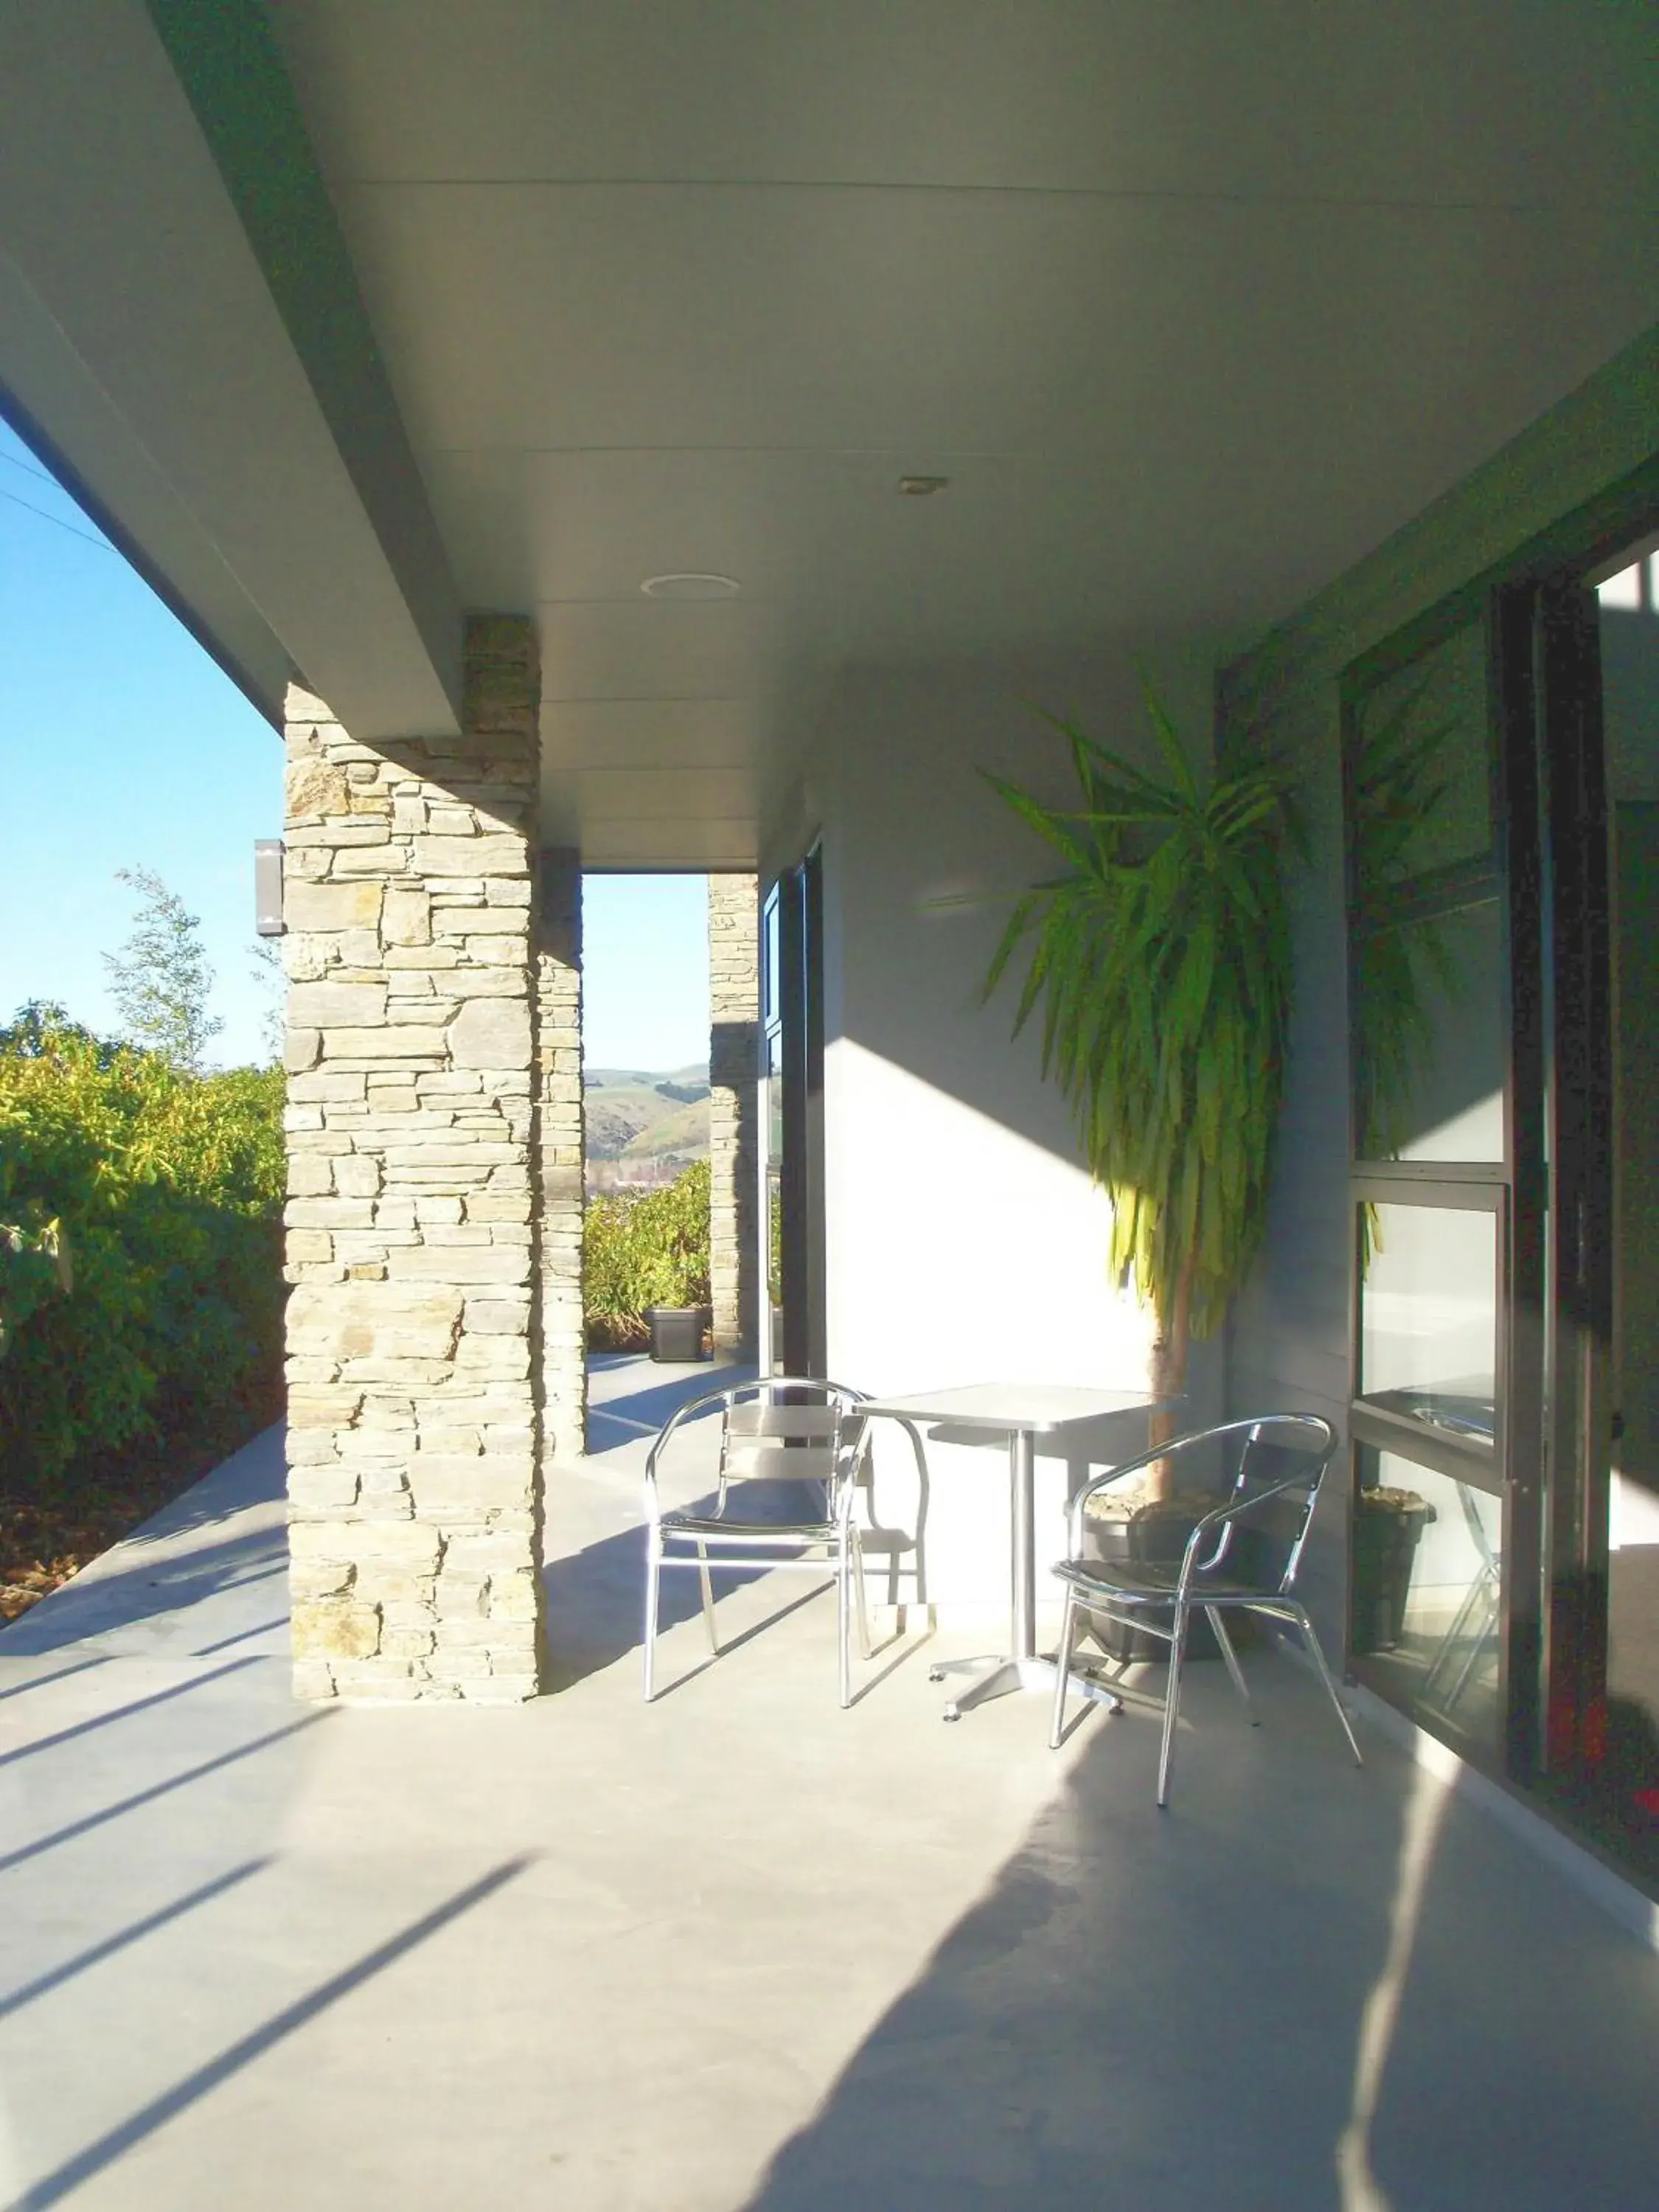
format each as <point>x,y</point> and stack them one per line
<point>676,1332</point>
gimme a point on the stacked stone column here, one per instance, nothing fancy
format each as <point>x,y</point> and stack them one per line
<point>413,1440</point>
<point>560,1164</point>
<point>733,1033</point>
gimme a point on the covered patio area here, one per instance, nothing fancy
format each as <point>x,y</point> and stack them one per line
<point>740,1948</point>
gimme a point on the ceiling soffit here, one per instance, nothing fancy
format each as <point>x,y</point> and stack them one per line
<point>1192,306</point>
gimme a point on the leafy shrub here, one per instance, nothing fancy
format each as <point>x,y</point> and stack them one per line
<point>644,1249</point>
<point>168,1188</point>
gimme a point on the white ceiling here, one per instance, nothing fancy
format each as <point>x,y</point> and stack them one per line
<point>1194,304</point>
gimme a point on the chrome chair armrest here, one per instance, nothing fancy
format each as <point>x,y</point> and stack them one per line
<point>1093,1488</point>
<point>653,1499</point>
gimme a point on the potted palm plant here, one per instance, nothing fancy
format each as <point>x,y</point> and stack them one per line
<point>1159,955</point>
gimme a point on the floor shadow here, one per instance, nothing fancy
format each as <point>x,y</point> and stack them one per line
<point>105,1814</point>
<point>159,1569</point>
<point>142,1589</point>
<point>14,2000</point>
<point>78,1729</point>
<point>646,1410</point>
<point>1168,2009</point>
<point>596,1596</point>
<point>53,2187</point>
<point>58,1674</point>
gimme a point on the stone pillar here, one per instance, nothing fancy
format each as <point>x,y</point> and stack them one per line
<point>560,1154</point>
<point>413,1443</point>
<point>733,1033</point>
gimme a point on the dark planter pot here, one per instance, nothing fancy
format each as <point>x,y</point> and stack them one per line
<point>1159,1535</point>
<point>677,1332</point>
<point>1385,1542</point>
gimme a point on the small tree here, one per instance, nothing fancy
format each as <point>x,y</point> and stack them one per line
<point>161,977</point>
<point>1161,957</point>
<point>270,979</point>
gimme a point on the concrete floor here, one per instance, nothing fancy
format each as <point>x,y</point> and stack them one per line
<point>741,1949</point>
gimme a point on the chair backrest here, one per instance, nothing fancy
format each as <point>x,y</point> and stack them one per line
<point>1282,1459</point>
<point>789,1442</point>
<point>786,1429</point>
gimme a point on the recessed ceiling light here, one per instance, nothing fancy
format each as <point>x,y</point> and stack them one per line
<point>691,584</point>
<point>923,487</point>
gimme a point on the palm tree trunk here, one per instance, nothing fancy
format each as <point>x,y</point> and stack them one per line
<point>1171,1348</point>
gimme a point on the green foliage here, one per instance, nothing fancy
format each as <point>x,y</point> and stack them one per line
<point>160,978</point>
<point>1161,958</point>
<point>168,1188</point>
<point>34,1260</point>
<point>270,977</point>
<point>645,1248</point>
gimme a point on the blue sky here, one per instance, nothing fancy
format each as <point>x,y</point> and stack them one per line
<point>122,745</point>
<point>645,964</point>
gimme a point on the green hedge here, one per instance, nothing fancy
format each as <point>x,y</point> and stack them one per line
<point>168,1187</point>
<point>644,1249</point>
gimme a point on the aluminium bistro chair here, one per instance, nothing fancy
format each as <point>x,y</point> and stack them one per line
<point>1243,1554</point>
<point>780,1428</point>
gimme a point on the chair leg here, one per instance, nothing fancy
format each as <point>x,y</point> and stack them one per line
<point>1063,1668</point>
<point>844,1624</point>
<point>1213,1614</point>
<point>862,1594</point>
<point>652,1580</point>
<point>708,1598</point>
<point>1316,1654</point>
<point>1172,1703</point>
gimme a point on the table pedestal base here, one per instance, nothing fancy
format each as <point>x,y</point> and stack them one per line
<point>997,1677</point>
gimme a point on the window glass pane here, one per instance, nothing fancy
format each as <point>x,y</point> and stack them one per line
<point>1428,1325</point>
<point>1619,1801</point>
<point>1428,1564</point>
<point>1422,780</point>
<point>770,1002</point>
<point>1429,1008</point>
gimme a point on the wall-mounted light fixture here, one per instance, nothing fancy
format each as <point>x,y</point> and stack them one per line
<point>268,886</point>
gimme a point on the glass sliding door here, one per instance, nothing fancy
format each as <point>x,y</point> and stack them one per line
<point>1502,806</point>
<point>1440,1623</point>
<point>792,1000</point>
<point>1599,654</point>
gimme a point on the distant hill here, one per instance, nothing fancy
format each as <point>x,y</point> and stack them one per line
<point>594,1078</point>
<point>644,1124</point>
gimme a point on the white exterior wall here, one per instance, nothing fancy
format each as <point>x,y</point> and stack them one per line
<point>965,1243</point>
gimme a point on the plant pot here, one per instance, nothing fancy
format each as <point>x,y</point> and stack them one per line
<point>1388,1528</point>
<point>1155,1534</point>
<point>677,1333</point>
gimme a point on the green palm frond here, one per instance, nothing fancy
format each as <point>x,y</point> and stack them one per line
<point>1161,963</point>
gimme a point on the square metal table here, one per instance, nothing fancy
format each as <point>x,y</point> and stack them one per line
<point>1022,1413</point>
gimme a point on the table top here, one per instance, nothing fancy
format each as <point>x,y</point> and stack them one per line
<point>1008,1408</point>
